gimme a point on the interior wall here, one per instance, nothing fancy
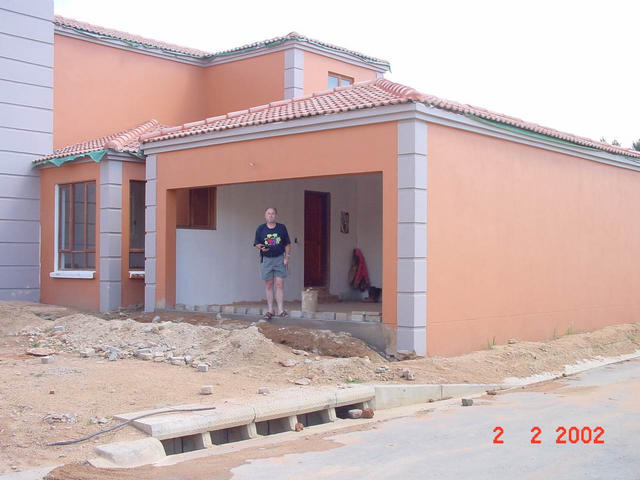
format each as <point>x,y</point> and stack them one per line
<point>221,266</point>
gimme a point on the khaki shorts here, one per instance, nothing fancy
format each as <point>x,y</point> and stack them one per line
<point>273,267</point>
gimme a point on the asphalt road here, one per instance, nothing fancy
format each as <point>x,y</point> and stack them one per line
<point>601,405</point>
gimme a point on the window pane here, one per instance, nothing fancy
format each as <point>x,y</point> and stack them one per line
<point>345,81</point>
<point>333,81</point>
<point>64,210</point>
<point>136,222</point>
<point>91,216</point>
<point>78,260</point>
<point>136,260</point>
<point>78,217</point>
<point>65,260</point>
<point>91,260</point>
<point>199,207</point>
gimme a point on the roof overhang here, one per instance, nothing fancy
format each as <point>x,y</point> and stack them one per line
<point>388,113</point>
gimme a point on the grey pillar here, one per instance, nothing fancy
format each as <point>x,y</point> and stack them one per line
<point>26,132</point>
<point>150,236</point>
<point>293,73</point>
<point>110,234</point>
<point>412,236</point>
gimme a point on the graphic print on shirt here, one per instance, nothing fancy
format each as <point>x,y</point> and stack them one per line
<point>272,239</point>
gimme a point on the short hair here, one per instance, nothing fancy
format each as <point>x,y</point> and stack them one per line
<point>274,209</point>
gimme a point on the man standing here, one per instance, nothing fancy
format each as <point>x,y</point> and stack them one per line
<point>272,239</point>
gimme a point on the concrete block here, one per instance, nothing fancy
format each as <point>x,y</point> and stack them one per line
<point>240,310</point>
<point>412,240</point>
<point>110,172</point>
<point>151,167</point>
<point>110,268</point>
<point>390,396</point>
<point>110,195</point>
<point>467,389</point>
<point>412,311</point>
<point>254,311</point>
<point>206,390</point>
<point>328,415</point>
<point>295,313</point>
<point>150,192</point>
<point>30,51</point>
<point>357,317</point>
<point>150,244</point>
<point>412,205</point>
<point>372,318</point>
<point>412,338</point>
<point>150,270</point>
<point>48,359</point>
<point>18,71</point>
<point>111,220</point>
<point>150,218</point>
<point>342,316</point>
<point>203,367</point>
<point>326,315</point>
<point>213,308</point>
<point>412,171</point>
<point>356,394</point>
<point>412,137</point>
<point>133,453</point>
<point>412,275</point>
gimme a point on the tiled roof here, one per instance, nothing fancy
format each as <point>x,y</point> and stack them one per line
<point>124,141</point>
<point>126,37</point>
<point>301,38</point>
<point>148,43</point>
<point>373,93</point>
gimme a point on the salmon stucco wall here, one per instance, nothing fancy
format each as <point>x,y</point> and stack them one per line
<point>132,288</point>
<point>525,243</point>
<point>317,68</point>
<point>81,293</point>
<point>363,149</point>
<point>101,90</point>
<point>242,84</point>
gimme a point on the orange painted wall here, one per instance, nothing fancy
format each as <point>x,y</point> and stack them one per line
<point>363,149</point>
<point>317,67</point>
<point>81,293</point>
<point>244,83</point>
<point>525,243</point>
<point>100,90</point>
<point>132,288</point>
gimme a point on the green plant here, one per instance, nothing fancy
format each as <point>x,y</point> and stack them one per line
<point>35,344</point>
<point>491,343</point>
<point>570,330</point>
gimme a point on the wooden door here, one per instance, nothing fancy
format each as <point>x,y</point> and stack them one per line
<point>316,239</point>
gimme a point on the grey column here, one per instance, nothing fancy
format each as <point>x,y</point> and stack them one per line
<point>110,234</point>
<point>412,236</point>
<point>150,236</point>
<point>293,73</point>
<point>26,132</point>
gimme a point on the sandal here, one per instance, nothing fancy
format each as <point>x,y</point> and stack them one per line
<point>283,314</point>
<point>268,316</point>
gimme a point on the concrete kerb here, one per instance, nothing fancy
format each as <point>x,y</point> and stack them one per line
<point>380,397</point>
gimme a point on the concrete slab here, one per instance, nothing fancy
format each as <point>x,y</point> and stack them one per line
<point>129,454</point>
<point>391,396</point>
<point>35,474</point>
<point>354,394</point>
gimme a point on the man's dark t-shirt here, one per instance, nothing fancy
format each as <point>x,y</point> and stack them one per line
<point>275,238</point>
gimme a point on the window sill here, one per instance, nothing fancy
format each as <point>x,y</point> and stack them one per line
<point>136,273</point>
<point>87,274</point>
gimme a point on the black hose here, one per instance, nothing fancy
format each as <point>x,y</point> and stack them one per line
<point>115,427</point>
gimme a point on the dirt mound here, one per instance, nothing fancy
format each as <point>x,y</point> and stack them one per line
<point>16,316</point>
<point>118,339</point>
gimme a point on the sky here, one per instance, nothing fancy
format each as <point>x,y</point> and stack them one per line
<point>570,65</point>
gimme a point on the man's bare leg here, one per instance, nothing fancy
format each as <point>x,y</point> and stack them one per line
<point>268,284</point>
<point>280,294</point>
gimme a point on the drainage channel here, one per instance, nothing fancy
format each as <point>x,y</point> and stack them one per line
<point>274,426</point>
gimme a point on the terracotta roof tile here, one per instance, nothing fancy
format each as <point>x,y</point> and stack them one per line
<point>149,43</point>
<point>127,37</point>
<point>370,94</point>
<point>124,141</point>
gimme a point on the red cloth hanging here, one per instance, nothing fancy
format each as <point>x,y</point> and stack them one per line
<point>358,274</point>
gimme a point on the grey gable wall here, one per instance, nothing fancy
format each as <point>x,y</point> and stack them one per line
<point>26,132</point>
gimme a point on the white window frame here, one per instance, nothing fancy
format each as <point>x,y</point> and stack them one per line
<point>57,273</point>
